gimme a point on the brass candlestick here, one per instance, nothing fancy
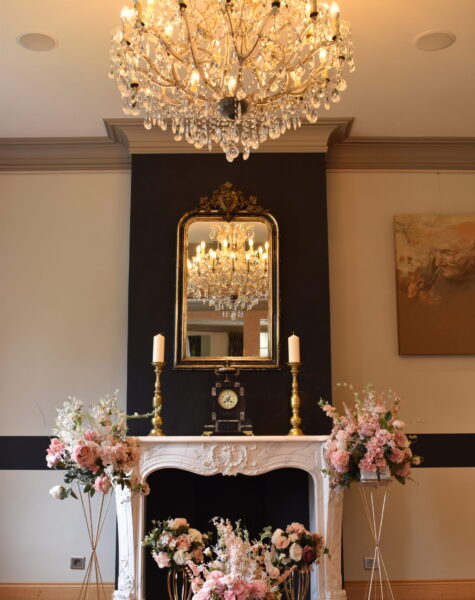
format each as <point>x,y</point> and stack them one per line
<point>157,420</point>
<point>295,420</point>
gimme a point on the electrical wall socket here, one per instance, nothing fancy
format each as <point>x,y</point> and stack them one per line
<point>77,562</point>
<point>369,562</point>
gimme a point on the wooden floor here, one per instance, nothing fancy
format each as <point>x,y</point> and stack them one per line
<point>417,590</point>
<point>356,590</point>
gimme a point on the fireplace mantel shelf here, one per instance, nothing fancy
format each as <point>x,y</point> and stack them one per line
<point>232,455</point>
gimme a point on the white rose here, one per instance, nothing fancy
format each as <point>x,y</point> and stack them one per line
<point>58,492</point>
<point>295,552</point>
<point>293,537</point>
<point>181,557</point>
<point>276,535</point>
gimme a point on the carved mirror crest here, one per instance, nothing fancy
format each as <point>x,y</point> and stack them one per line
<point>227,306</point>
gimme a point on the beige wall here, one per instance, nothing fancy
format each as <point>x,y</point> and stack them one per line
<point>64,241</point>
<point>430,526</point>
<point>63,317</point>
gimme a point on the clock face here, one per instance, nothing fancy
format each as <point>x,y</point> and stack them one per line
<point>228,399</point>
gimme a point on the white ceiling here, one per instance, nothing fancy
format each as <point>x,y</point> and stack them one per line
<point>396,90</point>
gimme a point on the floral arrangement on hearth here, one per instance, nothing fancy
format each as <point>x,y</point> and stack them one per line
<point>91,445</point>
<point>295,547</point>
<point>368,441</point>
<point>235,568</point>
<point>238,569</point>
<point>174,543</point>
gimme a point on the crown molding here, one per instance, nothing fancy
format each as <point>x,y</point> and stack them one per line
<point>128,136</point>
<point>62,154</point>
<point>404,153</point>
<point>309,138</point>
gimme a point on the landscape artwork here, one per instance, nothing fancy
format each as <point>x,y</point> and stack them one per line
<point>435,270</point>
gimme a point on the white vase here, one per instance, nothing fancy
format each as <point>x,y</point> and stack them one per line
<point>378,475</point>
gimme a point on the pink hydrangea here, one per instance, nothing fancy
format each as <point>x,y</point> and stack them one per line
<point>340,460</point>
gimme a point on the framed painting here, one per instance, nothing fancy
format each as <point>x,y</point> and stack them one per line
<point>435,274</point>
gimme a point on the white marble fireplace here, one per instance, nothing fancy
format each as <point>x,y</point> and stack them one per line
<point>229,456</point>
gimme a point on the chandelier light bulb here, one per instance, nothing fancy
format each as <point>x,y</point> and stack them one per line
<point>231,73</point>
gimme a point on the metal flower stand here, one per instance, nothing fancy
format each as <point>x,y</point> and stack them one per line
<point>92,587</point>
<point>374,495</point>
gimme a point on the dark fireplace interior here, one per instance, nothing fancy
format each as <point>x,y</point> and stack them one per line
<point>276,498</point>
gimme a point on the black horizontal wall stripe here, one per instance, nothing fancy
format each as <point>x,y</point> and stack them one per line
<point>23,452</point>
<point>440,450</point>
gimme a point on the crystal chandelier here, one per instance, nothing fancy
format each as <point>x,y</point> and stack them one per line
<point>230,72</point>
<point>233,275</point>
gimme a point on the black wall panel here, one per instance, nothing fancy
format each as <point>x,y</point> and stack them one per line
<point>292,187</point>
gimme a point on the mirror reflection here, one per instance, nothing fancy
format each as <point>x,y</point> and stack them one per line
<point>228,288</point>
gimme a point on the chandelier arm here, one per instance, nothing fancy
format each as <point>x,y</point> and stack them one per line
<point>154,68</point>
<point>194,55</point>
<point>231,28</point>
<point>258,37</point>
<point>183,88</point>
<point>157,35</point>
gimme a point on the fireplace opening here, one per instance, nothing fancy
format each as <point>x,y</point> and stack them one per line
<point>276,498</point>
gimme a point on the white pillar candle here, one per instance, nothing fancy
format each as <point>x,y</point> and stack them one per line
<point>158,348</point>
<point>294,349</point>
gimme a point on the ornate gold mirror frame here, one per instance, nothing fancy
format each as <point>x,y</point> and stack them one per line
<point>227,205</point>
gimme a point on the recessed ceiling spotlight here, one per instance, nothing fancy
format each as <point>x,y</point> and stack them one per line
<point>432,40</point>
<point>38,42</point>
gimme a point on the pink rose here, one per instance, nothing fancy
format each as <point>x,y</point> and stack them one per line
<point>197,555</point>
<point>90,436</point>
<point>85,454</point>
<point>308,554</point>
<point>102,484</point>
<point>176,523</point>
<point>297,528</point>
<point>183,541</point>
<point>281,542</point>
<point>52,460</point>
<point>56,446</point>
<point>162,559</point>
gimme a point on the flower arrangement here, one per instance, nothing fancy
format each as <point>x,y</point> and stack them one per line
<point>239,569</point>
<point>174,543</point>
<point>91,445</point>
<point>296,548</point>
<point>369,437</point>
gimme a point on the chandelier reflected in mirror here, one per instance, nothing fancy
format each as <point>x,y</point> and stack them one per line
<point>232,275</point>
<point>230,72</point>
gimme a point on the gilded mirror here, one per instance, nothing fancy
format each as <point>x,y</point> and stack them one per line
<point>227,284</point>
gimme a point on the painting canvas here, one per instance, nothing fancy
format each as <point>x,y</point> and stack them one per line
<point>435,269</point>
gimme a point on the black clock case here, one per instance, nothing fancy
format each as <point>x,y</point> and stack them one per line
<point>228,421</point>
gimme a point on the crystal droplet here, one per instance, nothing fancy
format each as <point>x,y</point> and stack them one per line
<point>341,85</point>
<point>147,123</point>
<point>232,153</point>
<point>245,153</point>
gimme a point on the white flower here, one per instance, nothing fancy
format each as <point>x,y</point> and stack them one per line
<point>58,492</point>
<point>293,537</point>
<point>295,552</point>
<point>399,424</point>
<point>207,552</point>
<point>181,557</point>
<point>276,535</point>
